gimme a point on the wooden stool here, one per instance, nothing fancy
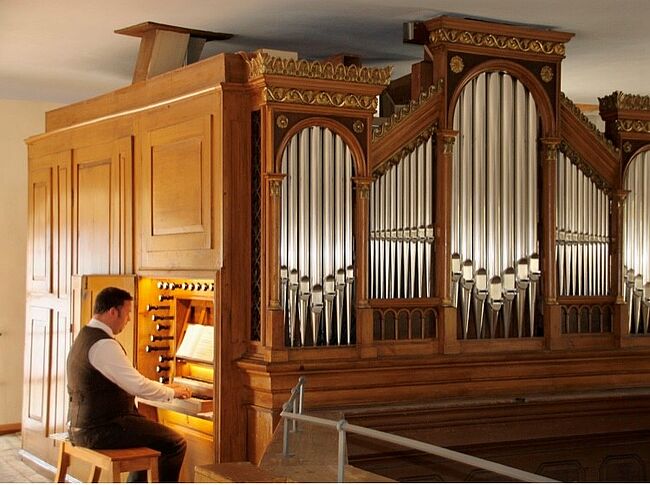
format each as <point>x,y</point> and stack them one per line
<point>115,461</point>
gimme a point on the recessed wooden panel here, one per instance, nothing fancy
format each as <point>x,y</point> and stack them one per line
<point>623,469</point>
<point>176,198</point>
<point>37,360</point>
<point>176,195</point>
<point>94,217</point>
<point>58,405</point>
<point>62,243</point>
<point>102,184</point>
<point>40,231</point>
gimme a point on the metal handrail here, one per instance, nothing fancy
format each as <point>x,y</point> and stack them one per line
<point>292,411</point>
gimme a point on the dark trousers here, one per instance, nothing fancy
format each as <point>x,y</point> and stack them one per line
<point>134,431</point>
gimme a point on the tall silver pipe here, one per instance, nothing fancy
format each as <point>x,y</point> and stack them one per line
<point>303,298</point>
<point>329,294</point>
<point>468,284</point>
<point>534,273</point>
<point>399,229</point>
<point>480,295</point>
<point>413,226</point>
<point>428,216</point>
<point>522,285</point>
<point>340,293</point>
<point>421,226</point>
<point>293,305</point>
<point>349,280</point>
<point>456,273</point>
<point>315,217</point>
<point>509,294</point>
<point>495,300</point>
<point>316,310</point>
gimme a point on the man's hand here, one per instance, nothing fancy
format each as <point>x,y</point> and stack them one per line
<point>180,391</point>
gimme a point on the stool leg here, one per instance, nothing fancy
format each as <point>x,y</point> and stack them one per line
<point>62,466</point>
<point>95,472</point>
<point>117,473</point>
<point>152,472</point>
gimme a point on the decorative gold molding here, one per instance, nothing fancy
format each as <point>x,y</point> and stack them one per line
<point>358,126</point>
<point>627,147</point>
<point>576,159</point>
<point>404,112</point>
<point>546,73</point>
<point>448,144</point>
<point>636,126</point>
<point>456,64</point>
<point>503,42</point>
<point>588,124</point>
<point>282,121</point>
<point>319,98</point>
<point>263,63</point>
<point>405,151</point>
<point>549,150</point>
<point>621,101</point>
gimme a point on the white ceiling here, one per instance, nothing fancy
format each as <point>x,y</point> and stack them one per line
<point>65,50</point>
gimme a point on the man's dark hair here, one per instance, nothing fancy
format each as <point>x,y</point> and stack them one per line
<point>110,297</point>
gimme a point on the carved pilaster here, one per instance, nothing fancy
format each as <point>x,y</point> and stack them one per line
<point>274,335</point>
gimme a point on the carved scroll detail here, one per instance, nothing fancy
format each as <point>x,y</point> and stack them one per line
<point>480,39</point>
<point>319,98</point>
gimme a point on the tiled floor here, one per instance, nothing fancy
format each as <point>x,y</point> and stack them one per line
<point>13,470</point>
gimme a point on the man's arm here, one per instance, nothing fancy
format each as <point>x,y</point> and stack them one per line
<point>108,358</point>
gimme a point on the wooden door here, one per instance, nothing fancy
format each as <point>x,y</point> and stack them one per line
<point>102,212</point>
<point>84,292</point>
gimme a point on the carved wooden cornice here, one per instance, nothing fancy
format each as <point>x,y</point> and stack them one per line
<point>635,126</point>
<point>577,160</point>
<point>319,98</point>
<point>588,124</point>
<point>405,111</point>
<point>503,42</point>
<point>405,151</point>
<point>627,102</point>
<point>263,63</point>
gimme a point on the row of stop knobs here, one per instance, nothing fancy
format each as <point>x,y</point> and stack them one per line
<point>186,285</point>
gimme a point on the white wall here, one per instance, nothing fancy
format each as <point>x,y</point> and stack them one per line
<point>18,120</point>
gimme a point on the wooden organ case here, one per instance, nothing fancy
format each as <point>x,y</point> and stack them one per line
<point>466,269</point>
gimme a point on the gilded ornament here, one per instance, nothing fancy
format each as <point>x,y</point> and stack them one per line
<point>358,126</point>
<point>627,147</point>
<point>263,63</point>
<point>480,39</point>
<point>456,64</point>
<point>622,101</point>
<point>404,112</point>
<point>577,160</point>
<point>405,151</point>
<point>275,187</point>
<point>637,126</point>
<point>448,141</point>
<point>577,112</point>
<point>282,121</point>
<point>320,98</point>
<point>546,73</point>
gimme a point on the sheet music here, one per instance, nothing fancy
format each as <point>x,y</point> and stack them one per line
<point>197,344</point>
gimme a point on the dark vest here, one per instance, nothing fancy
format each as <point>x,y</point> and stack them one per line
<point>94,400</point>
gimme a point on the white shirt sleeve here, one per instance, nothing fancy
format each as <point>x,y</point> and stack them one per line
<point>107,357</point>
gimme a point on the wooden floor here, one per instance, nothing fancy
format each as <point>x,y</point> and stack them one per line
<point>13,470</point>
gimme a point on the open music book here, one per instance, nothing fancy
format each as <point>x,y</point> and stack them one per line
<point>197,343</point>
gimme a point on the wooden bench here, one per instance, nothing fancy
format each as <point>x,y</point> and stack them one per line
<point>114,461</point>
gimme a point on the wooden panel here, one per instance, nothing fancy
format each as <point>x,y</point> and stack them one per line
<point>198,433</point>
<point>37,354</point>
<point>93,212</point>
<point>176,195</point>
<point>63,225</point>
<point>102,183</point>
<point>39,271</point>
<point>58,404</point>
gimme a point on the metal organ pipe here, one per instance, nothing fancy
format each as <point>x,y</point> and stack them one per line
<point>316,238</point>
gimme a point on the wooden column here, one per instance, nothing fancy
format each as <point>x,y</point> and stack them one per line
<point>364,312</point>
<point>620,329</point>
<point>552,311</point>
<point>273,331</point>
<point>447,334</point>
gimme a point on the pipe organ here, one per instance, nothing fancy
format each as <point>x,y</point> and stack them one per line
<point>316,249</point>
<point>636,250</point>
<point>494,219</point>
<point>482,244</point>
<point>582,216</point>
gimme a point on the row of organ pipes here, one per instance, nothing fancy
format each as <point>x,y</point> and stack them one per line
<point>316,252</point>
<point>582,216</point>
<point>401,227</point>
<point>636,233</point>
<point>494,208</point>
<point>494,220</point>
